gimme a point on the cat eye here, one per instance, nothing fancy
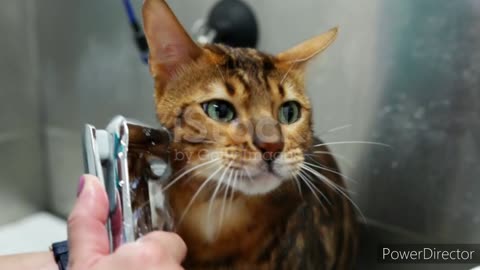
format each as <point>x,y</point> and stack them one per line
<point>289,112</point>
<point>219,110</point>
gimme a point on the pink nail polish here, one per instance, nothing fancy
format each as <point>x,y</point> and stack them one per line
<point>81,183</point>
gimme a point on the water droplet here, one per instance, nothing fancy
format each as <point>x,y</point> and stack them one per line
<point>476,220</point>
<point>419,113</point>
<point>158,166</point>
<point>394,165</point>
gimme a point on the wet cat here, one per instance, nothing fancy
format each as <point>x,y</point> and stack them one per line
<point>248,190</point>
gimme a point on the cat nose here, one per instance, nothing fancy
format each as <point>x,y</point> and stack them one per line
<point>270,150</point>
<point>268,138</point>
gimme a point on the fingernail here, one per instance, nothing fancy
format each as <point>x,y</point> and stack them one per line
<point>81,183</point>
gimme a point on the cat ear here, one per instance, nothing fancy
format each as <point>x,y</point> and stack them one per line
<point>169,44</point>
<point>307,49</point>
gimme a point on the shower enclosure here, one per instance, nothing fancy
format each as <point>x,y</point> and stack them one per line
<point>403,73</point>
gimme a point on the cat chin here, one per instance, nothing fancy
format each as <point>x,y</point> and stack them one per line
<point>258,185</point>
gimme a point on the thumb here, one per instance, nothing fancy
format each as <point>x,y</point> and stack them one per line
<point>87,236</point>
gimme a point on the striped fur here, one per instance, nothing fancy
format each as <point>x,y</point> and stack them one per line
<point>306,233</point>
<point>283,226</point>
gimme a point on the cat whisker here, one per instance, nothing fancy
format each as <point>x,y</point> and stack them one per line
<point>186,167</point>
<point>233,189</point>
<point>314,189</point>
<point>217,188</point>
<point>293,63</point>
<point>332,185</point>
<point>192,200</point>
<point>224,200</point>
<point>353,142</point>
<point>348,162</point>
<point>297,183</point>
<point>188,171</point>
<point>288,72</point>
<point>334,130</point>
<point>330,170</point>
<point>323,178</point>
<point>248,174</point>
<point>241,176</point>
<point>181,171</point>
<point>220,72</point>
<point>199,171</point>
<point>308,57</point>
<point>310,183</point>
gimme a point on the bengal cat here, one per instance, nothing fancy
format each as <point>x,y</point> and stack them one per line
<point>248,190</point>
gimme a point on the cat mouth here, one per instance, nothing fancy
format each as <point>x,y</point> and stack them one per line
<point>270,168</point>
<point>260,183</point>
<point>250,178</point>
<point>268,173</point>
<point>265,173</point>
<point>262,169</point>
<point>269,176</point>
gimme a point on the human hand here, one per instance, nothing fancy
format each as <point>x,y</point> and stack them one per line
<point>89,244</point>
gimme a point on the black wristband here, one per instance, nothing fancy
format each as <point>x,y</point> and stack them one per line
<point>60,252</point>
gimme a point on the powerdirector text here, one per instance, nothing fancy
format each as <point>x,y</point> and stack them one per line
<point>428,253</point>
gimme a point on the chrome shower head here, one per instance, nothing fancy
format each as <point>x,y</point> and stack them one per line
<point>131,160</point>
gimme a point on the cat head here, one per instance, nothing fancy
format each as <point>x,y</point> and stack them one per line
<point>238,115</point>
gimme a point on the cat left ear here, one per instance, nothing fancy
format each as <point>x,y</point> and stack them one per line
<point>307,49</point>
<point>169,44</point>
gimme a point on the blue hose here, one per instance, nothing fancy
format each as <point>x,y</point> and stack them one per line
<point>130,12</point>
<point>139,36</point>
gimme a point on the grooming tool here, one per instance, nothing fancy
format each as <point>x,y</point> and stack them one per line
<point>131,160</point>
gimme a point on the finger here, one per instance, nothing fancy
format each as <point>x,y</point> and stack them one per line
<point>117,223</point>
<point>171,243</point>
<point>87,236</point>
<point>136,255</point>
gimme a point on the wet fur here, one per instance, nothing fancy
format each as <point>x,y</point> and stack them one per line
<point>280,230</point>
<point>285,228</point>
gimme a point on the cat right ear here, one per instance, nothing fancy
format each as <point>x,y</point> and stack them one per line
<point>308,49</point>
<point>169,44</point>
